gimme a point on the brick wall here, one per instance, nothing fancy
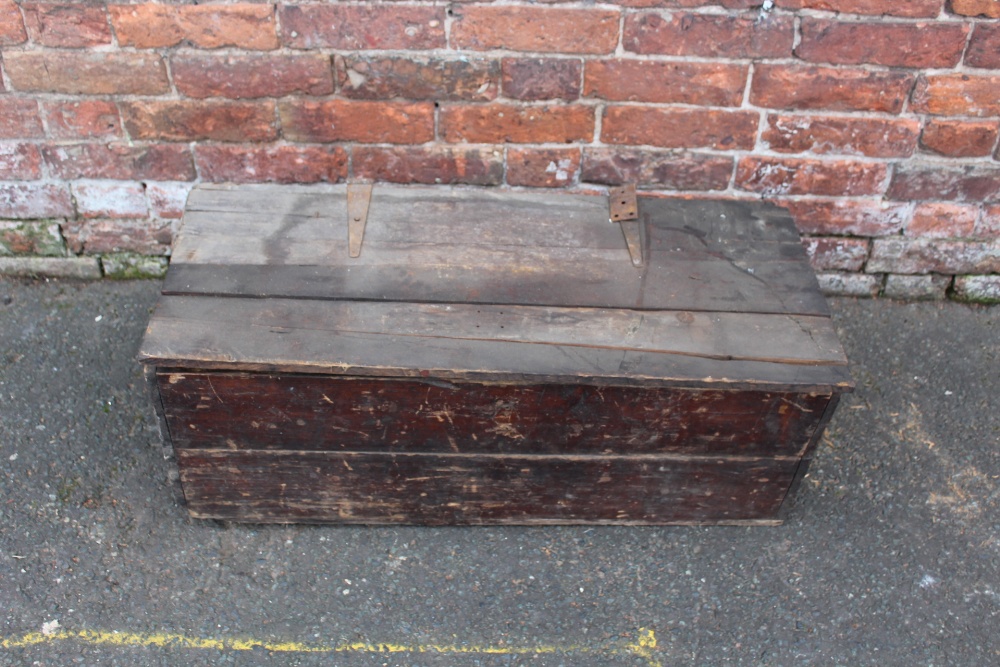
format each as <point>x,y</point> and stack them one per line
<point>875,122</point>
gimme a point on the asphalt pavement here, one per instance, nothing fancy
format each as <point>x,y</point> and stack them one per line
<point>890,555</point>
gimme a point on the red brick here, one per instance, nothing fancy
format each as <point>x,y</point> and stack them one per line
<point>988,8</point>
<point>960,138</point>
<point>84,73</point>
<point>97,237</point>
<point>156,26</point>
<point>542,78</point>
<point>542,167</point>
<point>193,121</point>
<point>82,119</point>
<point>905,8</point>
<point>251,76</point>
<point>988,226</point>
<point>709,35</point>
<point>412,164</point>
<point>110,199</point>
<point>941,220</point>
<point>872,137</point>
<point>11,24</point>
<point>665,170</point>
<point>350,120</point>
<point>921,256</point>
<point>493,123</point>
<point>686,4</point>
<point>278,164</point>
<point>836,89</point>
<point>19,119</point>
<point>542,29</point>
<point>680,128</point>
<point>20,162</point>
<point>925,45</point>
<point>120,161</point>
<point>418,78</point>
<point>836,254</point>
<point>972,183</point>
<point>859,218</point>
<point>984,47</point>
<point>67,25</point>
<point>957,95</point>
<point>358,27</point>
<point>777,176</point>
<point>708,84</point>
<point>34,200</point>
<point>167,200</point>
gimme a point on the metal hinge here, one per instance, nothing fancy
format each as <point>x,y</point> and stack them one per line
<point>623,208</point>
<point>359,196</point>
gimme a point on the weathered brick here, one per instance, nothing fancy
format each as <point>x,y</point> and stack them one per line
<point>972,183</point>
<point>688,4</point>
<point>960,138</point>
<point>418,78</point>
<point>31,238</point>
<point>988,8</point>
<point>20,162</point>
<point>542,167</point>
<point>836,89</point>
<point>94,237</point>
<point>83,119</point>
<point>19,119</point>
<point>984,47</point>
<point>679,128</point>
<point>156,26</point>
<point>167,200</point>
<point>494,123</point>
<point>872,137</point>
<point>542,78</point>
<point>417,164</point>
<point>957,95</point>
<point>80,268</point>
<point>252,76</point>
<point>907,8</point>
<point>11,24</point>
<point>828,253</point>
<point>921,256</point>
<point>352,120</point>
<point>708,84</point>
<point>67,25</point>
<point>978,289</point>
<point>130,266</point>
<point>858,218</point>
<point>665,170</point>
<point>34,200</point>
<point>778,176</point>
<point>988,225</point>
<point>109,199</point>
<point>121,161</point>
<point>87,73</point>
<point>279,164</point>
<point>192,121</point>
<point>359,27</point>
<point>925,45</point>
<point>709,35</point>
<point>849,284</point>
<point>913,288</point>
<point>942,220</point>
<point>542,29</point>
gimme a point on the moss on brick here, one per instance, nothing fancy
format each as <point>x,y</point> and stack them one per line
<point>129,266</point>
<point>31,238</point>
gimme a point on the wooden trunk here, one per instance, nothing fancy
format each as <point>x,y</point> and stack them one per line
<point>490,357</point>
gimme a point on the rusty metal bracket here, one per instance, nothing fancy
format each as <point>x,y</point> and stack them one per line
<point>623,208</point>
<point>359,196</point>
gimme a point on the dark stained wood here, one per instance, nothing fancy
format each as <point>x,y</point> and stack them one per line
<point>438,489</point>
<point>244,411</point>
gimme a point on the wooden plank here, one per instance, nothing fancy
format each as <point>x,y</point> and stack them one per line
<point>320,413</point>
<point>301,336</point>
<point>439,489</point>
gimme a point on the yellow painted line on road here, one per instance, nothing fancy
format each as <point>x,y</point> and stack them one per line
<point>642,648</point>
